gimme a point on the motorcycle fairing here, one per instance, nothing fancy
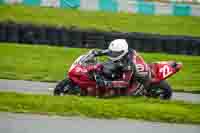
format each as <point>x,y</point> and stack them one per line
<point>163,70</point>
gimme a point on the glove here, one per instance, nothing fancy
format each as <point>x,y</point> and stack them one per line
<point>94,52</point>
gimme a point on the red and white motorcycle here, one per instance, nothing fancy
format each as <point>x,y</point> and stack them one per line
<point>80,79</point>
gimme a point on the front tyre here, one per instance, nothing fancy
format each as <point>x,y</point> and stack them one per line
<point>61,87</point>
<point>161,90</point>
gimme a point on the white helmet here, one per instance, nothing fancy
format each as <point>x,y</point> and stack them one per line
<point>118,48</point>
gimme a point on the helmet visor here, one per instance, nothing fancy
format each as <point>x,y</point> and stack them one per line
<point>115,54</point>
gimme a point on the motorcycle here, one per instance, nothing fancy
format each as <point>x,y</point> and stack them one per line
<point>81,79</point>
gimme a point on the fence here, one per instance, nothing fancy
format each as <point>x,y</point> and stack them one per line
<point>60,36</point>
<point>132,6</point>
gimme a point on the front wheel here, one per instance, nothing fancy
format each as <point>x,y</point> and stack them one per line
<point>59,89</point>
<point>66,86</point>
<point>160,90</point>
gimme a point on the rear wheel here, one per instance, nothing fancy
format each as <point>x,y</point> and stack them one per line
<point>160,90</point>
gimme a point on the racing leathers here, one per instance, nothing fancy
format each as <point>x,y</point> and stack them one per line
<point>125,63</point>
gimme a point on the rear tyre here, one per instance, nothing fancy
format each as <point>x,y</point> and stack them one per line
<point>161,90</point>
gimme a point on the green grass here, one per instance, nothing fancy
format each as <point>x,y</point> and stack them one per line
<point>45,63</point>
<point>172,25</point>
<point>132,108</point>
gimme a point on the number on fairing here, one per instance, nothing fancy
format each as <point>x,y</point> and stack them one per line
<point>165,70</point>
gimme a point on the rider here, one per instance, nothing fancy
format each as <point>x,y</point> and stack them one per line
<point>122,57</point>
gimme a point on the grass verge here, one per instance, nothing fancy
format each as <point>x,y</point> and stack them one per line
<point>132,108</point>
<point>45,63</point>
<point>106,21</point>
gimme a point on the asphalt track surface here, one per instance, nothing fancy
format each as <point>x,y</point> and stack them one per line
<point>46,88</point>
<point>26,123</point>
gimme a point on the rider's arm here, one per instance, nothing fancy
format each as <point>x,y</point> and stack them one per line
<point>101,52</point>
